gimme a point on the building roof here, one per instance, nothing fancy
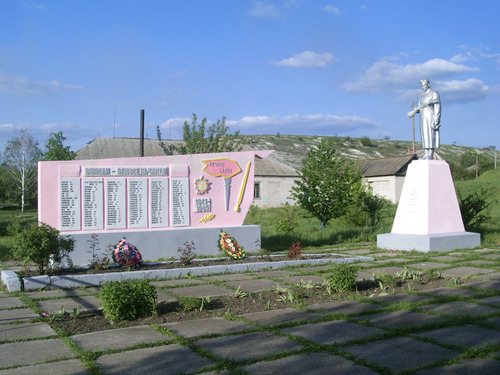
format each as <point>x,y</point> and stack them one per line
<point>395,166</point>
<point>108,147</point>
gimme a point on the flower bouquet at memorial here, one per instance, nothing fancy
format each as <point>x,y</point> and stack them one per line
<point>229,246</point>
<point>126,255</point>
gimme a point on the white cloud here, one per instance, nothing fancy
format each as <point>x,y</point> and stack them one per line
<point>314,124</point>
<point>385,75</point>
<point>263,9</point>
<point>469,90</point>
<point>308,59</point>
<point>332,9</point>
<point>23,86</point>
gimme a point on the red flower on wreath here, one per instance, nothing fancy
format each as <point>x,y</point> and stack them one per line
<point>229,246</point>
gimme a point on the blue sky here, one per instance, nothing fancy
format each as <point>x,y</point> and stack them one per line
<point>294,67</point>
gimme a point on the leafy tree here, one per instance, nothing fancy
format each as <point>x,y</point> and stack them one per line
<point>56,149</point>
<point>40,243</point>
<point>328,184</point>
<point>198,139</point>
<point>21,157</point>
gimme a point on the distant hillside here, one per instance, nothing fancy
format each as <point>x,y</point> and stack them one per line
<point>291,149</point>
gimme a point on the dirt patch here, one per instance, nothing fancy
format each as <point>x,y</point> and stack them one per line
<point>218,306</point>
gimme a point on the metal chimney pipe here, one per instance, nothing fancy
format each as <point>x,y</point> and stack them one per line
<point>142,132</point>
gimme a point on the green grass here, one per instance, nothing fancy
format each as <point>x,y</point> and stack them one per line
<point>7,214</point>
<point>487,185</point>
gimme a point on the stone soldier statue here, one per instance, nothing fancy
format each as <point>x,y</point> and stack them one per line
<point>429,108</point>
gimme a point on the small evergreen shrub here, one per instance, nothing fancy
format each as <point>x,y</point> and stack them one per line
<point>41,244</point>
<point>128,300</point>
<point>342,278</point>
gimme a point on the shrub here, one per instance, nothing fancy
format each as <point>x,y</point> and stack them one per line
<point>343,278</point>
<point>187,253</point>
<point>41,244</point>
<point>128,300</point>
<point>295,251</point>
<point>366,141</point>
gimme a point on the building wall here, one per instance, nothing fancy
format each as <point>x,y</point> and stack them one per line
<point>389,187</point>
<point>274,191</point>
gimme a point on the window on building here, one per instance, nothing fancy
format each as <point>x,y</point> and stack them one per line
<point>256,190</point>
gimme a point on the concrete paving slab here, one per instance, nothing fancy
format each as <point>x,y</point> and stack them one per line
<point>7,316</point>
<point>400,319</point>
<point>464,336</point>
<point>398,260</point>
<point>361,275</point>
<point>176,282</point>
<point>446,258</point>
<point>33,352</point>
<point>229,276</point>
<point>386,270</point>
<point>357,252</point>
<point>12,332</point>
<point>312,269</point>
<point>481,261</point>
<point>428,265</point>
<point>466,367</point>
<point>492,256</point>
<point>275,317</point>
<point>334,332</point>
<point>303,279</point>
<point>153,361</point>
<point>466,271</point>
<point>398,298</point>
<point>67,367</point>
<point>256,285</point>
<point>460,308</point>
<point>401,353</point>
<point>490,276</point>
<point>87,303</point>
<point>381,255</point>
<point>495,300</point>
<point>485,251</point>
<point>364,264</point>
<point>117,339</point>
<point>251,345</point>
<point>310,364</point>
<point>275,273</point>
<point>58,293</point>
<point>210,326</point>
<point>488,285</point>
<point>164,297</point>
<point>495,322</point>
<point>201,291</point>
<point>449,292</point>
<point>10,302</point>
<point>344,307</point>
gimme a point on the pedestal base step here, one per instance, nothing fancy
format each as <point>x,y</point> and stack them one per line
<point>428,242</point>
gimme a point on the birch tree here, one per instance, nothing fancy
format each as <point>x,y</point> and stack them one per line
<point>20,158</point>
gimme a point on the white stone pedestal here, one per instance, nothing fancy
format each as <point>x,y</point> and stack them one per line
<point>428,217</point>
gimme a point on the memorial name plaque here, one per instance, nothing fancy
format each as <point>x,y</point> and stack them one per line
<point>115,203</point>
<point>158,202</point>
<point>69,203</point>
<point>93,203</point>
<point>180,201</point>
<point>137,203</point>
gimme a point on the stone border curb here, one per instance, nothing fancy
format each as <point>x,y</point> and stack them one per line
<point>94,280</point>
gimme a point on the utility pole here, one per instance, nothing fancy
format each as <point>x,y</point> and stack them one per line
<point>477,166</point>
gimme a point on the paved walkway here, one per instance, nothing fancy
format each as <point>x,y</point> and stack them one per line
<point>450,330</point>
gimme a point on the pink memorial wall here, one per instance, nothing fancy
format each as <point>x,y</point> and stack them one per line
<point>147,195</point>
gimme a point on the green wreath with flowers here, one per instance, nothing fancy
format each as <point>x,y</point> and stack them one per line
<point>229,246</point>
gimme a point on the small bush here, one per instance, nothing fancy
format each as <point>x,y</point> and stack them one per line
<point>128,300</point>
<point>473,208</point>
<point>366,141</point>
<point>187,253</point>
<point>343,278</point>
<point>41,244</point>
<point>189,303</point>
<point>295,251</point>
